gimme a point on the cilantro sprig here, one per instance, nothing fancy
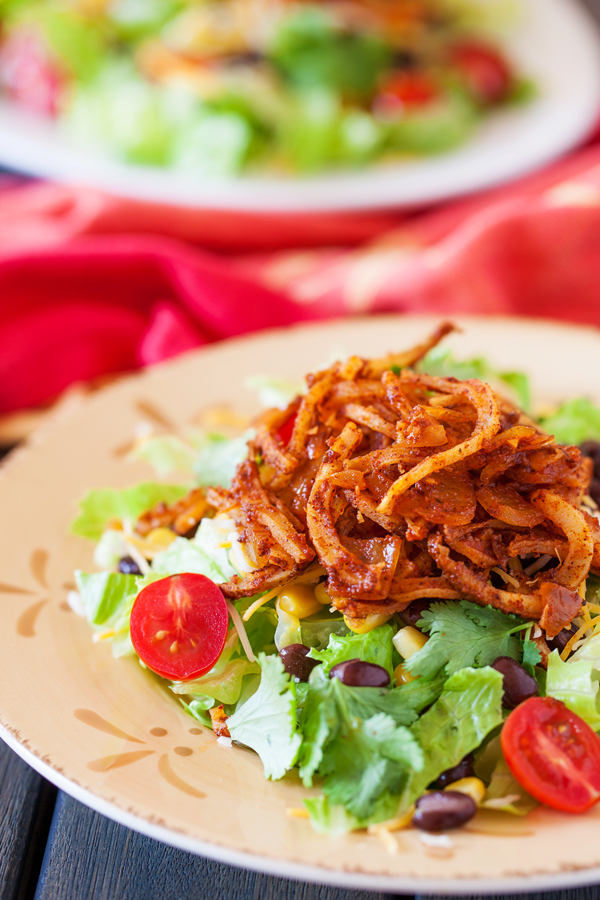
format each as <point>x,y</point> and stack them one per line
<point>463,635</point>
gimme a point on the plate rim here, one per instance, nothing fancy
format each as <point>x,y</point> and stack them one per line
<point>284,868</point>
<point>348,191</point>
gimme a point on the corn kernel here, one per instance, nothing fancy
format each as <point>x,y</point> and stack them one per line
<point>299,600</point>
<point>363,626</point>
<point>322,595</point>
<point>473,787</point>
<point>402,676</point>
<point>160,537</point>
<point>408,641</point>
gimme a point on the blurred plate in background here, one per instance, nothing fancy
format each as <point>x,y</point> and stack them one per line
<point>557,45</point>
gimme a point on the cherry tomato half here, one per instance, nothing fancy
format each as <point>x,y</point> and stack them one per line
<point>402,89</point>
<point>553,754</point>
<point>485,72</point>
<point>179,625</point>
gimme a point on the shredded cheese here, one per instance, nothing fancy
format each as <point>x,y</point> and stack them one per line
<point>505,576</point>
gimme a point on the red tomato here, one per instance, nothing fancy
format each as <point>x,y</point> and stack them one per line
<point>179,626</point>
<point>285,432</point>
<point>484,70</point>
<point>553,754</point>
<point>28,75</point>
<point>406,89</point>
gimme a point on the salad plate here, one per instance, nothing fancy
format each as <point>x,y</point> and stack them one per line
<point>555,46</point>
<point>110,733</point>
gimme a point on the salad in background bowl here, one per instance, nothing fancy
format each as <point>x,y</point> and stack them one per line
<point>220,87</point>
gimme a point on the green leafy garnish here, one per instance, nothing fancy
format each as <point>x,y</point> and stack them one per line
<point>374,647</point>
<point>575,683</point>
<point>442,363</point>
<point>99,506</point>
<point>463,634</point>
<point>574,422</point>
<point>351,738</point>
<point>469,708</point>
<point>267,721</point>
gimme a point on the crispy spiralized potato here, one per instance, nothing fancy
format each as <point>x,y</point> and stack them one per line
<point>405,486</point>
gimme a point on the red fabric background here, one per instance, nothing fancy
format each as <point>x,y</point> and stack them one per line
<point>91,284</point>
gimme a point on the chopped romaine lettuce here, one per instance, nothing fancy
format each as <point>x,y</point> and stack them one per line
<point>375,647</point>
<point>468,709</point>
<point>575,683</point>
<point>267,721</point>
<point>184,556</point>
<point>574,422</point>
<point>166,453</point>
<point>311,51</point>
<point>442,363</point>
<point>105,595</point>
<point>99,506</point>
<point>273,391</point>
<point>219,456</point>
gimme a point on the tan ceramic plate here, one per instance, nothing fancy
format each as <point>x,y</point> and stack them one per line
<point>107,733</point>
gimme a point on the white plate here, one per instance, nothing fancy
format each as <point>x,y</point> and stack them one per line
<point>557,44</point>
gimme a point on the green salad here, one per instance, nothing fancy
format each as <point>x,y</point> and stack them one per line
<point>216,87</point>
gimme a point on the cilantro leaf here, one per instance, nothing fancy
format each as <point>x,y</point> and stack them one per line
<point>531,655</point>
<point>367,758</point>
<point>374,647</point>
<point>267,721</point>
<point>463,634</point>
<point>356,738</point>
<point>469,708</point>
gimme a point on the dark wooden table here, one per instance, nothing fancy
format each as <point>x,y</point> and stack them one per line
<point>53,848</point>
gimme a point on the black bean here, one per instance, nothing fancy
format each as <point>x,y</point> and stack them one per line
<point>463,770</point>
<point>414,611</point>
<point>443,809</point>
<point>560,641</point>
<point>296,661</point>
<point>356,673</point>
<point>128,566</point>
<point>519,685</point>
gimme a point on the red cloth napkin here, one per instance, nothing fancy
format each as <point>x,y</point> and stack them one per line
<point>91,284</point>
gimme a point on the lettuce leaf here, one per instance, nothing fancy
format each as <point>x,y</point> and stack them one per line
<point>467,711</point>
<point>183,556</point>
<point>219,456</point>
<point>99,506</point>
<point>575,683</point>
<point>267,721</point>
<point>374,647</point>
<point>273,391</point>
<point>574,422</point>
<point>105,595</point>
<point>166,453</point>
<point>441,362</point>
